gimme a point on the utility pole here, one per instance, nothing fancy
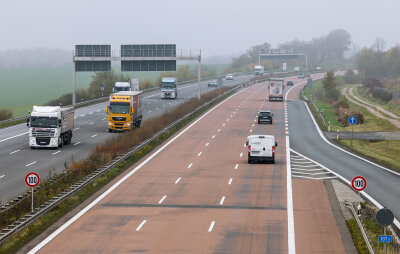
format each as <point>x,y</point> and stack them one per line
<point>199,75</point>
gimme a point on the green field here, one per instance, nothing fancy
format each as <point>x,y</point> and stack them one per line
<point>23,87</point>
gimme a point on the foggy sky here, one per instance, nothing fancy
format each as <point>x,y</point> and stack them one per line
<point>218,27</point>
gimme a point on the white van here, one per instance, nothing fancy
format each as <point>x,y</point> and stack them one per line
<point>261,148</point>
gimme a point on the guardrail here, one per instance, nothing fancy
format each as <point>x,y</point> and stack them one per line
<point>364,234</point>
<point>48,205</point>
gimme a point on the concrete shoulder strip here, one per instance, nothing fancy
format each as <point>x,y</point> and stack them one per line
<point>108,191</point>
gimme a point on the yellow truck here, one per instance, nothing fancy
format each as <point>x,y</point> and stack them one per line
<point>124,111</point>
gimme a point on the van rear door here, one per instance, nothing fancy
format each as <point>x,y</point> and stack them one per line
<point>267,143</point>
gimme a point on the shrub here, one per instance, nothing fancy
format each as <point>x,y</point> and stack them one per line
<point>342,103</point>
<point>371,83</point>
<point>5,114</point>
<point>351,78</point>
<point>382,95</point>
<point>333,94</point>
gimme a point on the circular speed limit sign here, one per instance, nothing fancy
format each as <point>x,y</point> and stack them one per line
<point>359,183</point>
<point>32,179</point>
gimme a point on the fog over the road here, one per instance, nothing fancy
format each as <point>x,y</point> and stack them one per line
<point>220,27</point>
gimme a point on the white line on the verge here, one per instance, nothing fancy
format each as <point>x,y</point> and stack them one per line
<point>237,165</point>
<point>16,151</point>
<point>56,152</point>
<point>162,199</point>
<point>94,135</point>
<point>190,165</point>
<point>289,205</point>
<point>213,136</point>
<point>2,176</point>
<point>177,180</point>
<point>241,154</point>
<point>91,123</point>
<point>123,179</point>
<point>77,143</point>
<point>90,113</point>
<point>77,128</point>
<point>207,144</point>
<point>14,136</point>
<point>222,200</point>
<point>30,164</point>
<point>230,181</point>
<point>198,155</point>
<point>219,130</point>
<point>211,226</point>
<point>141,225</point>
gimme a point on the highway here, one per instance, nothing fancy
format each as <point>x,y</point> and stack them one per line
<point>17,159</point>
<point>196,193</point>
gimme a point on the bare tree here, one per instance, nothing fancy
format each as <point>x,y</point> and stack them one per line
<point>379,44</point>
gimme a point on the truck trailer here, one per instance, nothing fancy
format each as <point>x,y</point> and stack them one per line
<point>124,111</point>
<point>133,85</point>
<point>50,126</point>
<point>276,87</point>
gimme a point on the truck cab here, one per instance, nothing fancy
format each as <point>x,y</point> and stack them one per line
<point>169,88</point>
<point>258,70</point>
<point>261,148</point>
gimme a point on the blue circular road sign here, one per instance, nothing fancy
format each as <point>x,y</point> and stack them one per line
<point>352,120</point>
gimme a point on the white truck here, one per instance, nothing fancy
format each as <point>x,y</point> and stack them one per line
<point>258,70</point>
<point>169,88</point>
<point>50,126</point>
<point>276,87</point>
<point>261,148</point>
<point>126,86</point>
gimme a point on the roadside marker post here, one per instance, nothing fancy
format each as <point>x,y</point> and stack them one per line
<point>352,121</point>
<point>32,180</point>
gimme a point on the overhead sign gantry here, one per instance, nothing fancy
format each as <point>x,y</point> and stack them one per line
<point>135,57</point>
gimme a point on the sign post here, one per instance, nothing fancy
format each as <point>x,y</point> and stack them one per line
<point>102,88</point>
<point>352,121</point>
<point>385,218</point>
<point>32,180</point>
<point>359,183</point>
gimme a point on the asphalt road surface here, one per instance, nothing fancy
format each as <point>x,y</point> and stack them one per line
<point>17,159</point>
<point>197,194</point>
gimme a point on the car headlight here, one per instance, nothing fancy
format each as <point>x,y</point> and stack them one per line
<point>109,123</point>
<point>128,124</point>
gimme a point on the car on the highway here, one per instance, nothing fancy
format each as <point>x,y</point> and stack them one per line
<point>289,83</point>
<point>307,75</point>
<point>265,116</point>
<point>301,75</point>
<point>261,148</point>
<point>229,76</point>
<point>318,68</point>
<point>296,68</point>
<point>212,83</point>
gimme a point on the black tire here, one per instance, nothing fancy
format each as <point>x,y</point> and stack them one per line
<point>273,161</point>
<point>258,122</point>
<point>110,131</point>
<point>32,147</point>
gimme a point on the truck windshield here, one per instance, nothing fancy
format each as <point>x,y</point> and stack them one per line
<point>44,122</point>
<point>167,85</point>
<point>118,89</point>
<point>119,108</point>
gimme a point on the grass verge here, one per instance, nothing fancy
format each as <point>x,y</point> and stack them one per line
<point>391,106</point>
<point>382,151</point>
<point>23,237</point>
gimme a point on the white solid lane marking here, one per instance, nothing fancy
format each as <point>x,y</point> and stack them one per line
<point>211,226</point>
<point>289,198</point>
<point>213,136</point>
<point>27,165</point>
<point>237,165</point>
<point>241,154</point>
<point>94,135</point>
<point>230,181</point>
<point>141,225</point>
<point>56,152</point>
<point>222,200</point>
<point>190,165</point>
<point>16,151</point>
<point>91,123</point>
<point>198,155</point>
<point>77,128</point>
<point>162,199</point>
<point>2,176</point>
<point>77,143</point>
<point>177,180</point>
<point>207,144</point>
<point>14,136</point>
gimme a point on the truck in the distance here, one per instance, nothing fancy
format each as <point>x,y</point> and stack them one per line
<point>50,126</point>
<point>258,70</point>
<point>126,86</point>
<point>169,88</point>
<point>124,111</point>
<point>276,87</point>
